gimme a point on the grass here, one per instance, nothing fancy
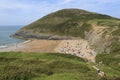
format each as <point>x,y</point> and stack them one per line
<point>44,66</point>
<point>112,23</point>
<point>51,66</point>
<point>66,22</point>
<point>110,64</point>
<point>115,45</point>
<point>116,32</point>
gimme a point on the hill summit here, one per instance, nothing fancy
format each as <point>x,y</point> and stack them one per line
<point>66,22</point>
<point>101,31</point>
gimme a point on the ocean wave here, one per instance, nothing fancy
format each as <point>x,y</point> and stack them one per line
<point>13,44</point>
<point>3,46</point>
<point>26,41</point>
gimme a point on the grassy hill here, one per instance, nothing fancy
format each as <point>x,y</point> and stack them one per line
<point>39,66</point>
<point>66,22</point>
<point>49,66</point>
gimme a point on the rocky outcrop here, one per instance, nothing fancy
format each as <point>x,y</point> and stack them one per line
<point>26,34</point>
<point>97,39</point>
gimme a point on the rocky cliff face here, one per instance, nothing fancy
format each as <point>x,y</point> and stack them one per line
<point>99,38</point>
<point>26,34</point>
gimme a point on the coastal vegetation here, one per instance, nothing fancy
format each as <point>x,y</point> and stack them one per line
<point>44,66</point>
<point>54,66</point>
<point>66,22</point>
<point>101,33</point>
<point>110,64</point>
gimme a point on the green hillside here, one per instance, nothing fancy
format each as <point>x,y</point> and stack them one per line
<point>66,22</point>
<point>39,66</point>
<point>110,64</point>
<point>49,66</point>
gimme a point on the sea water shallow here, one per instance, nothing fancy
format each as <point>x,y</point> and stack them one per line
<point>5,39</point>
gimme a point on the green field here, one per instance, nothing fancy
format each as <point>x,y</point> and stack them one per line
<point>48,66</point>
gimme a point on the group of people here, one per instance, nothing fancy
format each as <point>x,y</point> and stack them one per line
<point>77,48</point>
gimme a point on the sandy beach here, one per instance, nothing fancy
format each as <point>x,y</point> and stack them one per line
<point>33,46</point>
<point>78,48</point>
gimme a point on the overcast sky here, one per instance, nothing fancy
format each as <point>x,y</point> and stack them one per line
<point>23,12</point>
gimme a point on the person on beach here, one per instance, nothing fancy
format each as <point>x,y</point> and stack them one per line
<point>74,54</point>
<point>78,52</point>
<point>62,49</point>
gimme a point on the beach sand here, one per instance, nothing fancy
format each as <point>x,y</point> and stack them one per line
<point>78,48</point>
<point>33,46</point>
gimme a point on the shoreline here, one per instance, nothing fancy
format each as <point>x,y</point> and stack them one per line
<point>78,48</point>
<point>11,44</point>
<point>10,47</point>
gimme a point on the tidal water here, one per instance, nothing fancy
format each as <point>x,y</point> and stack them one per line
<point>5,33</point>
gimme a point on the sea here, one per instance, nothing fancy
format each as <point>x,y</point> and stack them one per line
<point>5,33</point>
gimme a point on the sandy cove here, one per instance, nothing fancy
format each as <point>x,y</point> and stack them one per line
<point>78,48</point>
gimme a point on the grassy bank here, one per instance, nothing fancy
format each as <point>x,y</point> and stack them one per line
<point>110,64</point>
<point>39,66</point>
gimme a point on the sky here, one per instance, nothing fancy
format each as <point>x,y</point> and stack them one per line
<point>23,12</point>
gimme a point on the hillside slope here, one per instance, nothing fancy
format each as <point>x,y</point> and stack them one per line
<point>110,64</point>
<point>41,66</point>
<point>101,31</point>
<point>66,22</point>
